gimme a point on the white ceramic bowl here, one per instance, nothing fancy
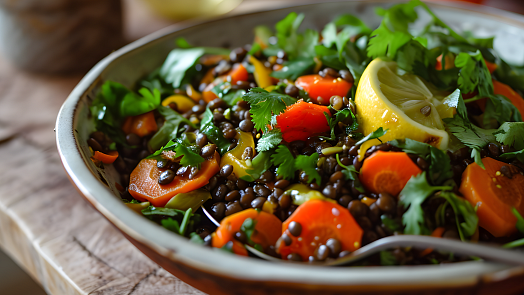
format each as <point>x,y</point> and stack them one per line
<point>215,271</point>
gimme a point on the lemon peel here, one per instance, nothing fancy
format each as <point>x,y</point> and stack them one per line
<point>404,104</point>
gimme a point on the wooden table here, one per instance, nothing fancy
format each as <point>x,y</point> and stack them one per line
<point>45,226</point>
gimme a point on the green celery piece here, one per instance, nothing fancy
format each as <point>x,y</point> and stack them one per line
<point>260,163</point>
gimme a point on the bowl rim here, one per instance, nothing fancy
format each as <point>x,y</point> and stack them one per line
<point>214,261</point>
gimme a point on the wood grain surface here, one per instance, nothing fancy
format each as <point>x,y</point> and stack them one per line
<point>45,226</point>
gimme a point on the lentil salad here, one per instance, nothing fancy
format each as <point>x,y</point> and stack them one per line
<point>245,133</point>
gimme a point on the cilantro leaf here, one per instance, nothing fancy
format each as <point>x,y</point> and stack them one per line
<point>499,109</point>
<point>511,133</point>
<point>264,104</point>
<point>269,140</point>
<point>341,117</point>
<point>474,74</point>
<point>416,191</point>
<point>308,164</point>
<point>171,224</point>
<point>189,156</point>
<point>285,161</point>
<point>393,31</point>
<point>213,133</point>
<point>518,154</point>
<point>471,136</point>
<point>293,43</point>
<point>375,134</point>
<point>462,208</point>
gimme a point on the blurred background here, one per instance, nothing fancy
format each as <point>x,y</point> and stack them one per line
<point>67,37</point>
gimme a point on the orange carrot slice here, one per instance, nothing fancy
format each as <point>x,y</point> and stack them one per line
<point>143,183</point>
<point>106,158</point>
<point>267,230</point>
<point>494,194</point>
<point>437,233</point>
<point>140,125</point>
<point>320,221</point>
<point>387,172</point>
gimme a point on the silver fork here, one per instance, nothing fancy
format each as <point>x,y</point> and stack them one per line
<point>486,252</point>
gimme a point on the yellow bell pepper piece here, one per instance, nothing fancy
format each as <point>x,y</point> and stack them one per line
<point>183,103</point>
<point>234,156</point>
<point>301,193</point>
<point>261,73</point>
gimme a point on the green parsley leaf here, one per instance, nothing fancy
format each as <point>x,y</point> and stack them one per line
<point>178,62</point>
<point>329,34</point>
<point>189,156</point>
<point>474,74</point>
<point>213,133</point>
<point>294,68</point>
<point>285,161</point>
<point>412,146</point>
<point>375,134</point>
<point>393,31</point>
<point>195,238</point>
<point>308,164</point>
<point>471,136</point>
<point>464,210</point>
<point>439,167</point>
<point>499,109</point>
<point>264,104</point>
<point>512,134</point>
<point>416,191</point>
<point>518,154</point>
<point>171,225</point>
<point>152,210</point>
<point>510,75</point>
<point>171,128</point>
<point>269,140</point>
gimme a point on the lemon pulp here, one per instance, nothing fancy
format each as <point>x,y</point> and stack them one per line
<point>404,104</point>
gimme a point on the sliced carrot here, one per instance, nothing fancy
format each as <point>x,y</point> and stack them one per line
<point>140,125</point>
<point>437,233</point>
<point>494,194</point>
<point>267,229</point>
<point>320,221</point>
<point>208,95</point>
<point>321,89</point>
<point>387,172</point>
<point>106,158</point>
<point>143,183</point>
<point>302,120</point>
<point>238,73</point>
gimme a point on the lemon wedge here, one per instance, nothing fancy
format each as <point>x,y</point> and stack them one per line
<point>405,104</point>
